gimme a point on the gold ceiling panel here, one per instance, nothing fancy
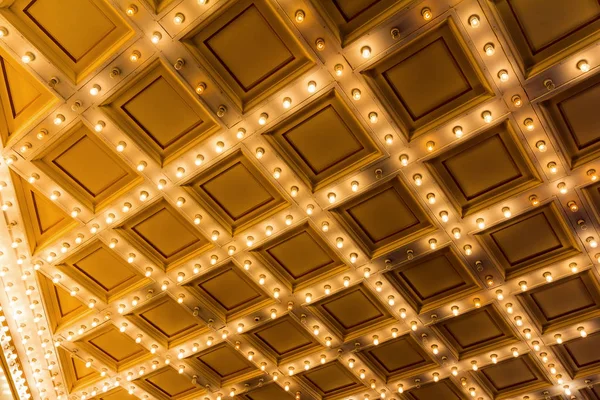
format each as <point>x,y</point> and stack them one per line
<point>284,339</point>
<point>223,365</point>
<point>512,377</point>
<point>479,331</point>
<point>580,357</point>
<point>331,381</point>
<point>267,392</point>
<point>517,251</point>
<point>571,114</point>
<point>229,292</point>
<point>168,384</point>
<point>116,394</point>
<point>22,98</point>
<point>398,358</point>
<point>113,348</point>
<point>537,47</point>
<point>103,272</point>
<point>323,141</point>
<point>453,279</point>
<point>485,169</point>
<point>429,81</point>
<point>77,375</point>
<point>83,164</point>
<point>566,301</point>
<point>380,232</point>
<point>77,45</point>
<point>249,50</point>
<point>589,393</point>
<point>352,312</point>
<point>160,114</point>
<point>444,389</point>
<point>62,308</point>
<point>164,235</point>
<point>218,188</point>
<point>44,220</point>
<point>167,322</point>
<point>300,257</point>
<point>351,19</point>
<point>158,6</point>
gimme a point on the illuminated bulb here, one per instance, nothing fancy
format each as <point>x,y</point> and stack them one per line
<point>365,52</point>
<point>558,338</point>
<point>562,187</point>
<point>351,363</point>
<point>161,184</point>
<point>141,166</point>
<point>156,36</point>
<point>180,172</point>
<point>249,241</point>
<point>33,178</point>
<point>331,197</point>
<point>289,219</point>
<point>356,94</point>
<point>269,230</point>
<point>164,286</point>
<point>240,328</point>
<point>480,223</point>
<point>3,32</point>
<point>413,325</point>
<point>75,212</point>
<point>474,21</point>
<point>287,103</point>
<point>126,207</point>
<point>276,293</point>
<point>583,66</point>
<point>458,131</point>
<point>403,159</point>
<point>110,218</point>
<point>529,124</point>
<point>432,244</point>
<point>311,86</point>
<point>534,200</point>
<point>178,19</point>
<point>389,139</point>
<point>519,321</point>
<point>247,264</point>
<point>339,69</point>
<point>509,308</point>
<point>552,167</point>
<point>135,56</point>
<point>219,147</point>
<point>573,267</point>
<point>503,75</point>
<point>391,300</point>
<point>444,215</point>
<point>427,15</point>
<point>261,279</point>
<point>260,152</point>
<point>325,226</point>
<point>59,119</point>
<point>199,159</point>
<point>300,15</point>
<point>506,212</point>
<point>489,49</point>
<point>99,126</point>
<point>434,349</point>
<point>294,191</point>
<point>430,198</point>
<point>430,145</point>
<point>346,281</point>
<point>121,146</point>
<point>592,242</point>
<point>28,57</point>
<point>327,289</point>
<point>455,310</point>
<point>143,195</point>
<point>316,330</point>
<point>418,179</point>
<point>320,44</point>
<point>541,146</point>
<point>339,242</point>
<point>180,202</point>
<point>487,116</point>
<point>572,206</point>
<point>375,340</point>
<point>353,257</point>
<point>456,233</point>
<point>214,236</point>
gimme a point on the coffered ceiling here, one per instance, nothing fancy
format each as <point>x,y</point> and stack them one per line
<point>300,199</point>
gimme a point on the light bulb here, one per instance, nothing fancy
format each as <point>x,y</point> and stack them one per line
<point>583,66</point>
<point>552,167</point>
<point>299,16</point>
<point>430,146</point>
<point>121,146</point>
<point>489,49</point>
<point>199,159</point>
<point>287,103</point>
<point>487,116</point>
<point>474,21</point>
<point>178,19</point>
<point>28,57</point>
<point>311,87</point>
<point>365,52</point>
<point>135,56</point>
<point>458,131</point>
<point>331,197</point>
<point>517,101</point>
<point>99,126</point>
<point>339,69</point>
<point>541,146</point>
<point>506,212</point>
<point>432,244</point>
<point>356,94</point>
<point>219,147</point>
<point>430,198</point>
<point>427,15</point>
<point>95,90</point>
<point>156,36</point>
<point>503,75</point>
<point>480,223</point>
<point>562,187</point>
<point>389,139</point>
<point>59,119</point>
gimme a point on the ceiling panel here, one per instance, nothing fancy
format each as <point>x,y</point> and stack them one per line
<point>331,381</point>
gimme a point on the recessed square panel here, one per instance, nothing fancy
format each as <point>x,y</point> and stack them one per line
<point>115,349</point>
<point>167,322</point>
<point>283,339</point>
<point>476,332</point>
<point>224,365</point>
<point>564,302</point>
<point>323,141</point>
<point>538,47</point>
<point>218,188</point>
<point>331,381</point>
<point>485,169</point>
<point>592,194</point>
<point>377,230</point>
<point>512,377</point>
<point>164,235</point>
<point>116,394</point>
<point>581,356</point>
<point>517,250</point>
<point>87,168</point>
<point>44,221</point>
<point>444,389</point>
<point>352,312</point>
<point>168,384</point>
<point>102,272</point>
<point>160,114</point>
<point>250,50</point>
<point>397,358</point>
<point>76,374</point>
<point>300,257</point>
<point>589,394</point>
<point>22,98</point>
<point>571,114</point>
<point>229,292</point>
<point>349,19</point>
<point>62,309</point>
<point>429,80</point>
<point>433,280</point>
<point>76,45</point>
<point>267,392</point>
